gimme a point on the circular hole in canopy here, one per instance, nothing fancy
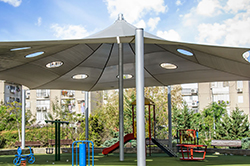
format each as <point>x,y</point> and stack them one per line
<point>246,56</point>
<point>54,64</point>
<point>20,48</point>
<point>126,76</point>
<point>80,76</point>
<point>34,54</point>
<point>185,52</point>
<point>168,66</point>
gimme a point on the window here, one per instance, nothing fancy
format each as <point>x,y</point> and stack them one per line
<point>68,104</point>
<point>41,116</point>
<point>68,93</point>
<point>225,84</point>
<point>42,93</point>
<point>239,84</point>
<point>240,99</point>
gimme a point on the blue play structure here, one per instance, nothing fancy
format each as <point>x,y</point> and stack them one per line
<point>79,154</point>
<point>19,157</point>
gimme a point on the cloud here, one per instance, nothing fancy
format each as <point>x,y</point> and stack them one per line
<point>178,2</point>
<point>231,32</point>
<point>14,3</point>
<point>134,10</point>
<point>69,31</point>
<point>234,6</point>
<point>39,21</point>
<point>152,23</point>
<point>169,35</point>
<point>205,8</point>
<point>211,33</point>
<point>141,24</point>
<point>208,8</point>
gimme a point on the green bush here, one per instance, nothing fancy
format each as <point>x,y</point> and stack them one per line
<point>245,143</point>
<point>110,142</point>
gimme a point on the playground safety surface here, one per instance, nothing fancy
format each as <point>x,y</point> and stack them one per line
<point>130,159</point>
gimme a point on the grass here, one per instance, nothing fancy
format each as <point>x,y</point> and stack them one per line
<point>130,159</point>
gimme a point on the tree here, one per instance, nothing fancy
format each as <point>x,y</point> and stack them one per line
<point>62,112</point>
<point>7,120</point>
<point>211,116</point>
<point>239,124</point>
<point>95,130</point>
<point>233,127</point>
<point>181,118</point>
<point>223,128</point>
<point>109,112</point>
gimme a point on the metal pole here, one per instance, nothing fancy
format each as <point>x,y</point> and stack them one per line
<point>121,139</point>
<point>149,129</point>
<point>133,120</point>
<point>169,118</point>
<point>58,140</point>
<point>140,112</point>
<point>154,121</point>
<point>86,114</point>
<point>23,118</point>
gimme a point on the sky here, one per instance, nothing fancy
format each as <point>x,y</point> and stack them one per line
<point>213,22</point>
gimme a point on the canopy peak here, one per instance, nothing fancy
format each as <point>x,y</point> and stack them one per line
<point>120,17</point>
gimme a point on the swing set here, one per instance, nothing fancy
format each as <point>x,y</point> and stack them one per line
<point>57,140</point>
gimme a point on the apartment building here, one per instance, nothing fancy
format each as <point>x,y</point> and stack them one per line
<point>40,101</point>
<point>234,93</point>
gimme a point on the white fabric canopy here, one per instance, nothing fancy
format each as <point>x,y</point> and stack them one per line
<point>97,56</point>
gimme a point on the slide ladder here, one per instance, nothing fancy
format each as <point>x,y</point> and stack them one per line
<point>166,149</point>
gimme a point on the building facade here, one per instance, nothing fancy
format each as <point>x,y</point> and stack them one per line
<point>232,93</point>
<point>40,101</point>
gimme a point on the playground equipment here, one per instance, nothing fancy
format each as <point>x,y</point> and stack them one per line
<point>57,137</point>
<point>79,153</point>
<point>22,158</point>
<point>49,150</point>
<point>150,125</point>
<point>188,141</point>
<point>187,136</point>
<point>115,146</point>
<point>190,149</point>
<point>148,103</point>
<point>132,136</point>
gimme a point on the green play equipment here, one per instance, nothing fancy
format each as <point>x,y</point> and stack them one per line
<point>57,136</point>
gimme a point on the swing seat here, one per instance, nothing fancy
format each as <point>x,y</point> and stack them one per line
<point>49,150</point>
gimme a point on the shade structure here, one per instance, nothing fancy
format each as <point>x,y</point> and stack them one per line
<point>91,64</point>
<point>97,57</point>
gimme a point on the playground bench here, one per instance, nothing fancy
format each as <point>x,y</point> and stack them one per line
<point>62,142</point>
<point>226,143</point>
<point>30,143</point>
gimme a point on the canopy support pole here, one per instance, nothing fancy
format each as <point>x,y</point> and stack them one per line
<point>139,59</point>
<point>23,118</point>
<point>121,123</point>
<point>86,114</point>
<point>169,118</point>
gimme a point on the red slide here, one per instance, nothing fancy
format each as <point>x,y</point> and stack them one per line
<point>110,149</point>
